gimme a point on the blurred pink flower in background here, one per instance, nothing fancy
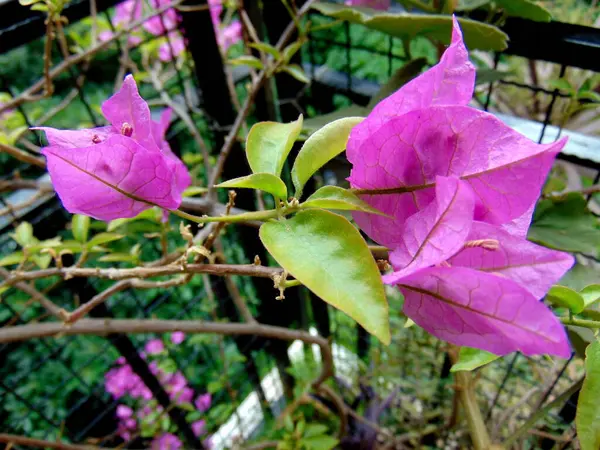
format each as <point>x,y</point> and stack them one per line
<point>177,337</point>
<point>154,346</point>
<point>203,402</point>
<point>166,441</point>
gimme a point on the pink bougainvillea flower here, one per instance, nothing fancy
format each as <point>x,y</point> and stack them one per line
<point>124,412</point>
<point>199,427</point>
<point>216,8</point>
<point>375,4</point>
<point>163,23</point>
<point>166,441</point>
<point>171,49</point>
<point>127,11</point>
<point>119,170</point>
<point>154,346</point>
<point>230,35</point>
<point>203,402</point>
<point>177,337</point>
<point>424,130</point>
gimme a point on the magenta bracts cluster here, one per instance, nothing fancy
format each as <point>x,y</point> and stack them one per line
<point>124,384</point>
<point>120,170</point>
<point>463,189</point>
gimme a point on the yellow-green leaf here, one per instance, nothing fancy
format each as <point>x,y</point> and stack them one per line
<point>590,294</point>
<point>246,60</point>
<point>478,35</point>
<point>269,144</point>
<point>587,419</point>
<point>297,72</point>
<point>80,226</point>
<point>320,148</point>
<point>565,297</point>
<point>266,48</point>
<point>525,9</point>
<point>472,358</point>
<point>13,258</point>
<point>103,238</point>
<point>329,256</point>
<point>23,235</point>
<point>335,197</point>
<point>263,181</point>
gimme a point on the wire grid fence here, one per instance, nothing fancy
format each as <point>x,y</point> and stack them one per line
<point>71,401</point>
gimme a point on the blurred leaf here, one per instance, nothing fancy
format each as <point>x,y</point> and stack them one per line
<point>320,148</point>
<point>289,425</point>
<point>472,358</point>
<point>80,226</point>
<point>261,181</point>
<point>490,75</point>
<point>564,297</point>
<point>579,277</point>
<point>565,223</point>
<point>580,338</point>
<point>192,191</point>
<point>13,258</point>
<point>119,257</point>
<point>152,214</point>
<point>42,261</point>
<point>525,9</point>
<point>315,430</point>
<point>587,420</point>
<point>104,238</point>
<point>23,235</point>
<point>469,5</point>
<point>329,256</point>
<point>266,48</point>
<point>315,123</point>
<point>319,443</point>
<point>335,197</point>
<point>563,84</point>
<point>269,143</point>
<point>291,50</point>
<point>590,294</point>
<point>297,72</point>
<point>246,60</point>
<point>402,76</point>
<point>477,35</point>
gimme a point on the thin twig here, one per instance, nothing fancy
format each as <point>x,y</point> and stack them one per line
<point>21,155</point>
<point>30,442</point>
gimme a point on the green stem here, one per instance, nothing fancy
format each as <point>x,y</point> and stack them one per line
<point>580,322</point>
<point>245,217</point>
<point>541,413</point>
<point>477,428</point>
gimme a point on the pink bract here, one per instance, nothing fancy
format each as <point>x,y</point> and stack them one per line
<point>375,4</point>
<point>128,11</point>
<point>154,346</point>
<point>177,337</point>
<point>199,427</point>
<point>203,402</point>
<point>230,35</point>
<point>472,308</point>
<point>166,441</point>
<point>119,170</point>
<point>171,49</point>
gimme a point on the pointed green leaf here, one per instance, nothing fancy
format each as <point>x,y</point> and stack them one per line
<point>291,50</point>
<point>478,35</point>
<point>262,181</point>
<point>587,419</point>
<point>80,226</point>
<point>319,443</point>
<point>320,148</point>
<point>335,197</point>
<point>590,294</point>
<point>23,234</point>
<point>152,214</point>
<point>246,60</point>
<point>266,48</point>
<point>525,9</point>
<point>566,298</point>
<point>13,258</point>
<point>193,191</point>
<point>104,238</point>
<point>402,76</point>
<point>329,256</point>
<point>316,429</point>
<point>269,144</point>
<point>297,72</point>
<point>119,257</point>
<point>315,123</point>
<point>472,358</point>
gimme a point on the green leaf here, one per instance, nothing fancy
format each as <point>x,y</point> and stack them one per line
<point>269,144</point>
<point>291,50</point>
<point>319,443</point>
<point>563,84</point>
<point>80,226</point>
<point>565,223</point>
<point>315,123</point>
<point>580,338</point>
<point>192,191</point>
<point>329,256</point>
<point>119,257</point>
<point>490,75</point>
<point>246,60</point>
<point>567,298</point>
<point>262,181</point>
<point>315,430</point>
<point>152,214</point>
<point>266,48</point>
<point>526,9</point>
<point>297,72</point>
<point>472,358</point>
<point>320,148</point>
<point>590,294</point>
<point>335,197</point>
<point>13,258</point>
<point>287,422</point>
<point>23,235</point>
<point>104,238</point>
<point>587,419</point>
<point>469,5</point>
<point>402,76</point>
<point>478,35</point>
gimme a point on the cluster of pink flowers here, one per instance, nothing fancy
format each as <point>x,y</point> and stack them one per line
<point>119,170</point>
<point>166,24</point>
<point>122,382</point>
<point>459,188</point>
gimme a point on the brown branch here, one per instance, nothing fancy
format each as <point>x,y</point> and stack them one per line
<point>27,94</point>
<point>20,154</point>
<point>37,295</point>
<point>36,197</point>
<point>101,327</point>
<point>30,442</point>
